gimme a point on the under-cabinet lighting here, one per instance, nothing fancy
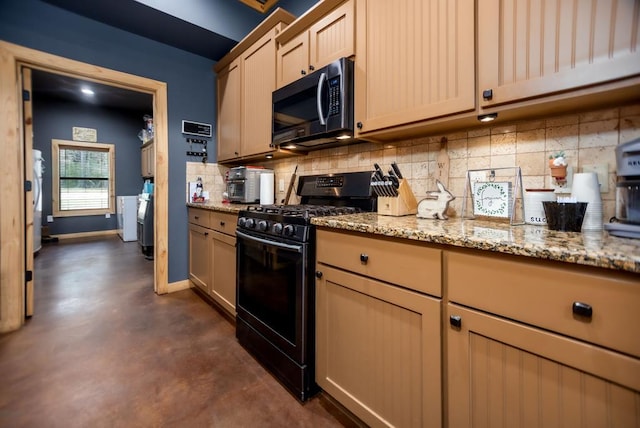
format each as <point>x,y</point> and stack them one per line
<point>269,156</point>
<point>488,117</point>
<point>343,137</point>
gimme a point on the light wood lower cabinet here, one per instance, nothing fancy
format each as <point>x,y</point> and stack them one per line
<point>199,255</point>
<point>212,255</point>
<point>377,344</point>
<point>502,373</point>
<point>535,344</point>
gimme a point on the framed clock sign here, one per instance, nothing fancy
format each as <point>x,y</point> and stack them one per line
<point>494,194</point>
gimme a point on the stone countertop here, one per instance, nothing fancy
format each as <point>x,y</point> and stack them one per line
<point>588,248</point>
<point>225,207</point>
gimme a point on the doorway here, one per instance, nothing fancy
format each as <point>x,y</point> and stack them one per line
<point>12,212</point>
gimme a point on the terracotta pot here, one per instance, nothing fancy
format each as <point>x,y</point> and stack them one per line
<point>559,171</point>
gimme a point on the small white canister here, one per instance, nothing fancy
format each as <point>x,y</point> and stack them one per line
<point>533,209</point>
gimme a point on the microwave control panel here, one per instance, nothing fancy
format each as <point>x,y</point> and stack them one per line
<point>334,96</point>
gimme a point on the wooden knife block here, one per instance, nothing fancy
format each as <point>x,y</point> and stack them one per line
<point>403,204</point>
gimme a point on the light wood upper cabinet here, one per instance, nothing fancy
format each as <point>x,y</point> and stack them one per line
<point>414,61</point>
<point>148,159</point>
<point>329,38</point>
<point>229,111</point>
<point>530,49</point>
<point>258,83</point>
<point>246,79</point>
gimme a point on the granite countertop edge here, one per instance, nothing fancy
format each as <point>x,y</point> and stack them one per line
<point>596,248</point>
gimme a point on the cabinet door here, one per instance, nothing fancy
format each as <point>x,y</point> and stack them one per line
<point>199,256</point>
<point>378,349</point>
<point>223,262</point>
<point>293,59</point>
<point>501,373</point>
<point>332,37</point>
<point>229,114</point>
<point>258,83</point>
<point>532,48</point>
<point>415,61</point>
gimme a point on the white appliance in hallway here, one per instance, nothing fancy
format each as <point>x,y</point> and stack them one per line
<point>38,169</point>
<point>126,209</point>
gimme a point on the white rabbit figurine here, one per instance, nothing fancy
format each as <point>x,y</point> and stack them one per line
<point>436,204</point>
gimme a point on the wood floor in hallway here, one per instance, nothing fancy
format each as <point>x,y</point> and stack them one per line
<point>103,350</point>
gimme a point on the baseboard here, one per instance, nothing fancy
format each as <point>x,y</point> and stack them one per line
<point>178,286</point>
<point>94,234</point>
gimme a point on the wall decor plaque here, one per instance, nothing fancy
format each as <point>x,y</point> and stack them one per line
<point>85,134</point>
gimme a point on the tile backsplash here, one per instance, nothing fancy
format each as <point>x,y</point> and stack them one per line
<point>587,139</point>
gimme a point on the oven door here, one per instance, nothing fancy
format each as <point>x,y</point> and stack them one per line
<point>273,295</point>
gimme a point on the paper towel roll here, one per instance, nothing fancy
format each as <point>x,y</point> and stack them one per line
<point>267,187</point>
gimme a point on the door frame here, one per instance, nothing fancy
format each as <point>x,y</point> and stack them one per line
<point>12,186</point>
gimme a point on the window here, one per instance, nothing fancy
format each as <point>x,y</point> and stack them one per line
<point>83,178</point>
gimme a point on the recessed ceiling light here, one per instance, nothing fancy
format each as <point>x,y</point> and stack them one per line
<point>87,91</point>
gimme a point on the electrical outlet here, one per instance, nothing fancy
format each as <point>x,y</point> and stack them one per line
<point>602,170</point>
<point>49,219</point>
<point>107,215</point>
<point>281,185</point>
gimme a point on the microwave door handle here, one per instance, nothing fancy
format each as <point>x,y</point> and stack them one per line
<point>321,80</point>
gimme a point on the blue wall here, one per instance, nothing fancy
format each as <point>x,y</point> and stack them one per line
<point>190,82</point>
<point>55,119</point>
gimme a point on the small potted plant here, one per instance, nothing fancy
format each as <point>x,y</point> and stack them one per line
<point>558,165</point>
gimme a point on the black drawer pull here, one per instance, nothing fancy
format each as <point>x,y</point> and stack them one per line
<point>455,321</point>
<point>582,309</point>
<point>318,274</point>
<point>364,258</point>
<point>196,217</point>
<point>222,223</point>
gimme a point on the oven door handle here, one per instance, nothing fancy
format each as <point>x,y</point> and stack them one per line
<point>296,248</point>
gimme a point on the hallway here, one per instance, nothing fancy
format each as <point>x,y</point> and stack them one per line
<point>103,350</point>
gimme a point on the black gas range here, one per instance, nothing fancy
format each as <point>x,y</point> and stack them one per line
<point>275,303</point>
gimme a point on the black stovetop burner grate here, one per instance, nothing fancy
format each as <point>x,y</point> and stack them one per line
<point>304,211</point>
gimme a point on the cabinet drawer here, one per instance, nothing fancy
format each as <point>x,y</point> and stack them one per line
<point>404,263</point>
<point>199,217</point>
<point>223,222</point>
<point>545,295</point>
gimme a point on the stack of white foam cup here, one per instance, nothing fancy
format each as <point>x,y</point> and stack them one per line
<point>585,188</point>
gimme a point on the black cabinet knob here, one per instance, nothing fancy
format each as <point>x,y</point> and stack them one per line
<point>455,321</point>
<point>582,309</point>
<point>487,94</point>
<point>206,234</point>
<point>311,67</point>
<point>196,217</point>
<point>222,223</point>
<point>303,72</point>
<point>364,258</point>
<point>359,125</point>
<point>318,274</point>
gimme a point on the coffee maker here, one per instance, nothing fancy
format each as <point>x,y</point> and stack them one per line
<point>627,220</point>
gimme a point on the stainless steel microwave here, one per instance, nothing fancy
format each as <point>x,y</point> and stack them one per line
<point>315,111</point>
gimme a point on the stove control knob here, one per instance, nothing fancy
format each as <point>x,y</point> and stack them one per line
<point>242,221</point>
<point>262,225</point>
<point>277,228</point>
<point>250,223</point>
<point>289,230</point>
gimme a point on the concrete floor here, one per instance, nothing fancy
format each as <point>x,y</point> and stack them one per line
<point>103,350</point>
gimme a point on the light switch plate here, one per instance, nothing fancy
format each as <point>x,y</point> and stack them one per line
<point>602,169</point>
<point>107,215</point>
<point>49,219</point>
<point>281,185</point>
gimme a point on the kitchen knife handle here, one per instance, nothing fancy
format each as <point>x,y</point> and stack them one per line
<point>396,169</point>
